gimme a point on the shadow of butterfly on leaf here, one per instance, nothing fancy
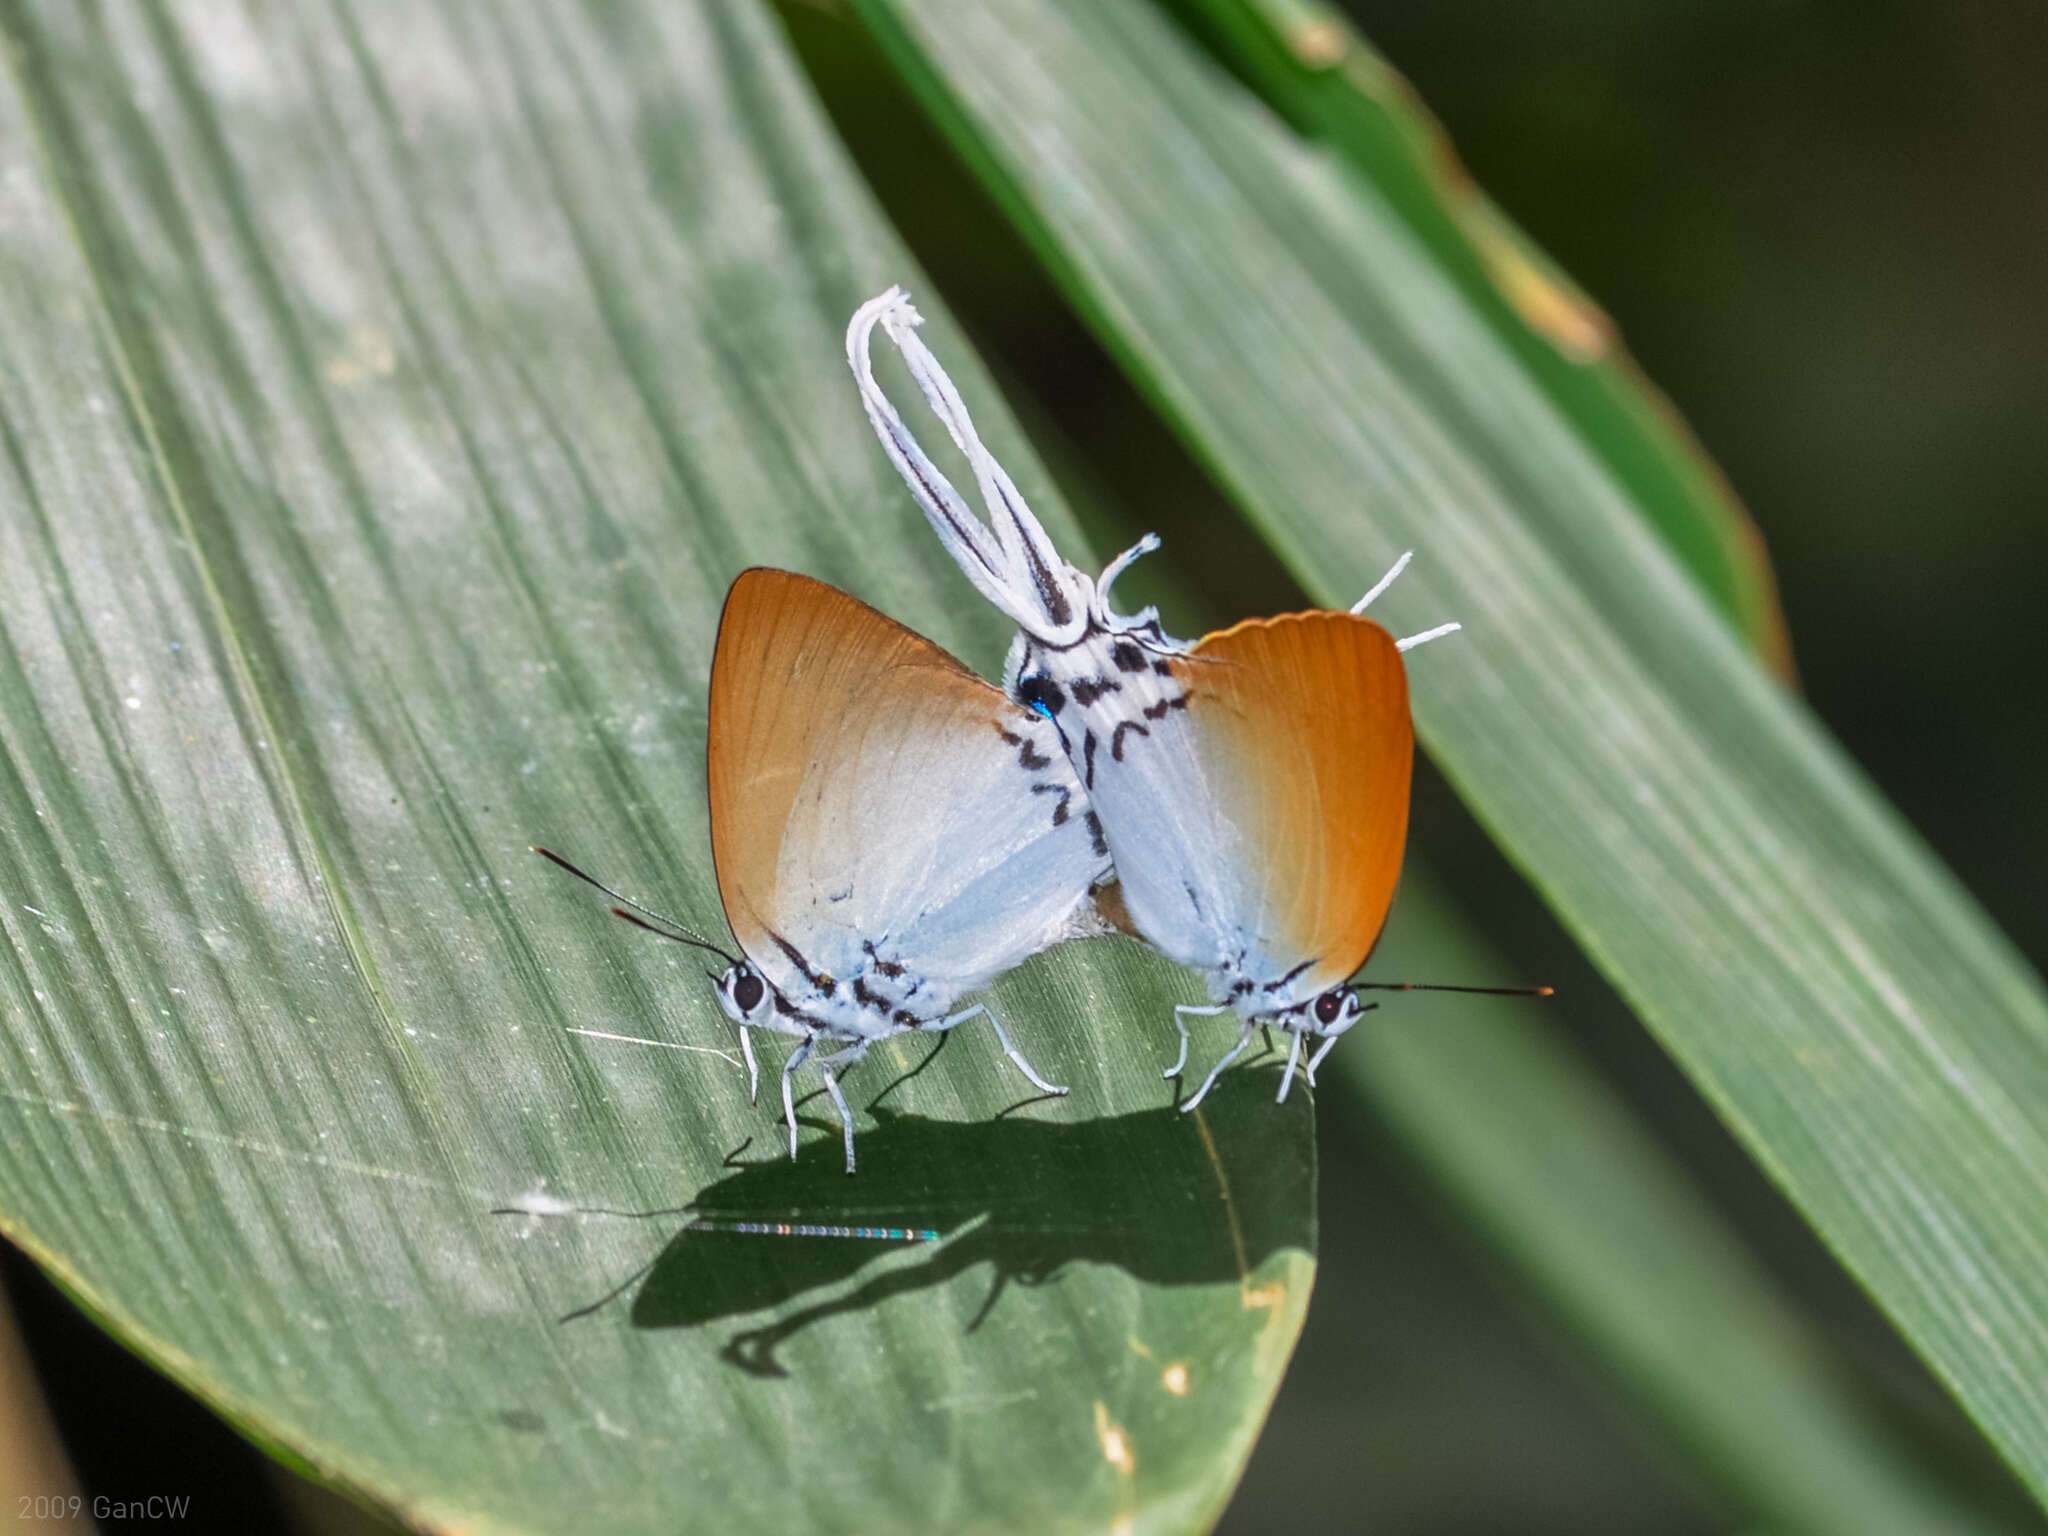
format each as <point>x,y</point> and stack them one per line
<point>1168,1198</point>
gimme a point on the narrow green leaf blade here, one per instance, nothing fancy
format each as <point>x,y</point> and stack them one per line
<point>389,394</point>
<point>1543,1159</point>
<point>1550,1164</point>
<point>1846,1008</point>
<point>1330,84</point>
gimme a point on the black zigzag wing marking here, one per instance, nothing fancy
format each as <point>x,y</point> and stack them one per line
<point>1059,811</point>
<point>1088,759</point>
<point>1275,986</point>
<point>1116,740</point>
<point>818,979</point>
<point>1101,843</point>
<point>1086,690</point>
<point>1029,758</point>
<point>1159,710</point>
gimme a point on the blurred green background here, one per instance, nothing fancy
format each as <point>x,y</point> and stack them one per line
<point>1820,230</point>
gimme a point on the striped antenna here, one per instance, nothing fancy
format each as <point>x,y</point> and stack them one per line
<point>807,1229</point>
<point>1424,986</point>
<point>539,1203</point>
<point>683,934</point>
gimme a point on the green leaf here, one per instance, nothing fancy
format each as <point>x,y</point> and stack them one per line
<point>1329,83</point>
<point>1876,1044</point>
<point>1552,1166</point>
<point>389,395</point>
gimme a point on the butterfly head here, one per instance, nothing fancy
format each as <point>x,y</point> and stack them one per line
<point>744,994</point>
<point>1328,1014</point>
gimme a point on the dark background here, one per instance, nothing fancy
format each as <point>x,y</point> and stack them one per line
<point>1820,228</point>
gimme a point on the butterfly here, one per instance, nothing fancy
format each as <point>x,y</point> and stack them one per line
<point>889,832</point>
<point>1252,787</point>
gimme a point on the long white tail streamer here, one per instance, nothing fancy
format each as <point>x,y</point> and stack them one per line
<point>1010,559</point>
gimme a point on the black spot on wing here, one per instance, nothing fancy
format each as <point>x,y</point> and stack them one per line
<point>1128,657</point>
<point>1095,832</point>
<point>1088,758</point>
<point>1116,740</point>
<point>1087,690</point>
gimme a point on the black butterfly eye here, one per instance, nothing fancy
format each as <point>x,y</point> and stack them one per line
<point>1041,693</point>
<point>747,992</point>
<point>1328,1006</point>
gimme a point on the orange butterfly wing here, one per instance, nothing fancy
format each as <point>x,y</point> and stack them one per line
<point>1302,733</point>
<point>865,785</point>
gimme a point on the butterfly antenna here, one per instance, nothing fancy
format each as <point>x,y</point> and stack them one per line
<point>681,938</point>
<point>683,934</point>
<point>1423,986</point>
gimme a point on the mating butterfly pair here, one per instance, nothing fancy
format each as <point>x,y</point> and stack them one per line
<point>890,832</point>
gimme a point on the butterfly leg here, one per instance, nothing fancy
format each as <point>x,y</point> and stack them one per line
<point>1180,1010</point>
<point>1293,1056</point>
<point>753,1066</point>
<point>1009,1050</point>
<point>797,1058</point>
<point>845,1058</point>
<point>1316,1060</point>
<point>1244,1039</point>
